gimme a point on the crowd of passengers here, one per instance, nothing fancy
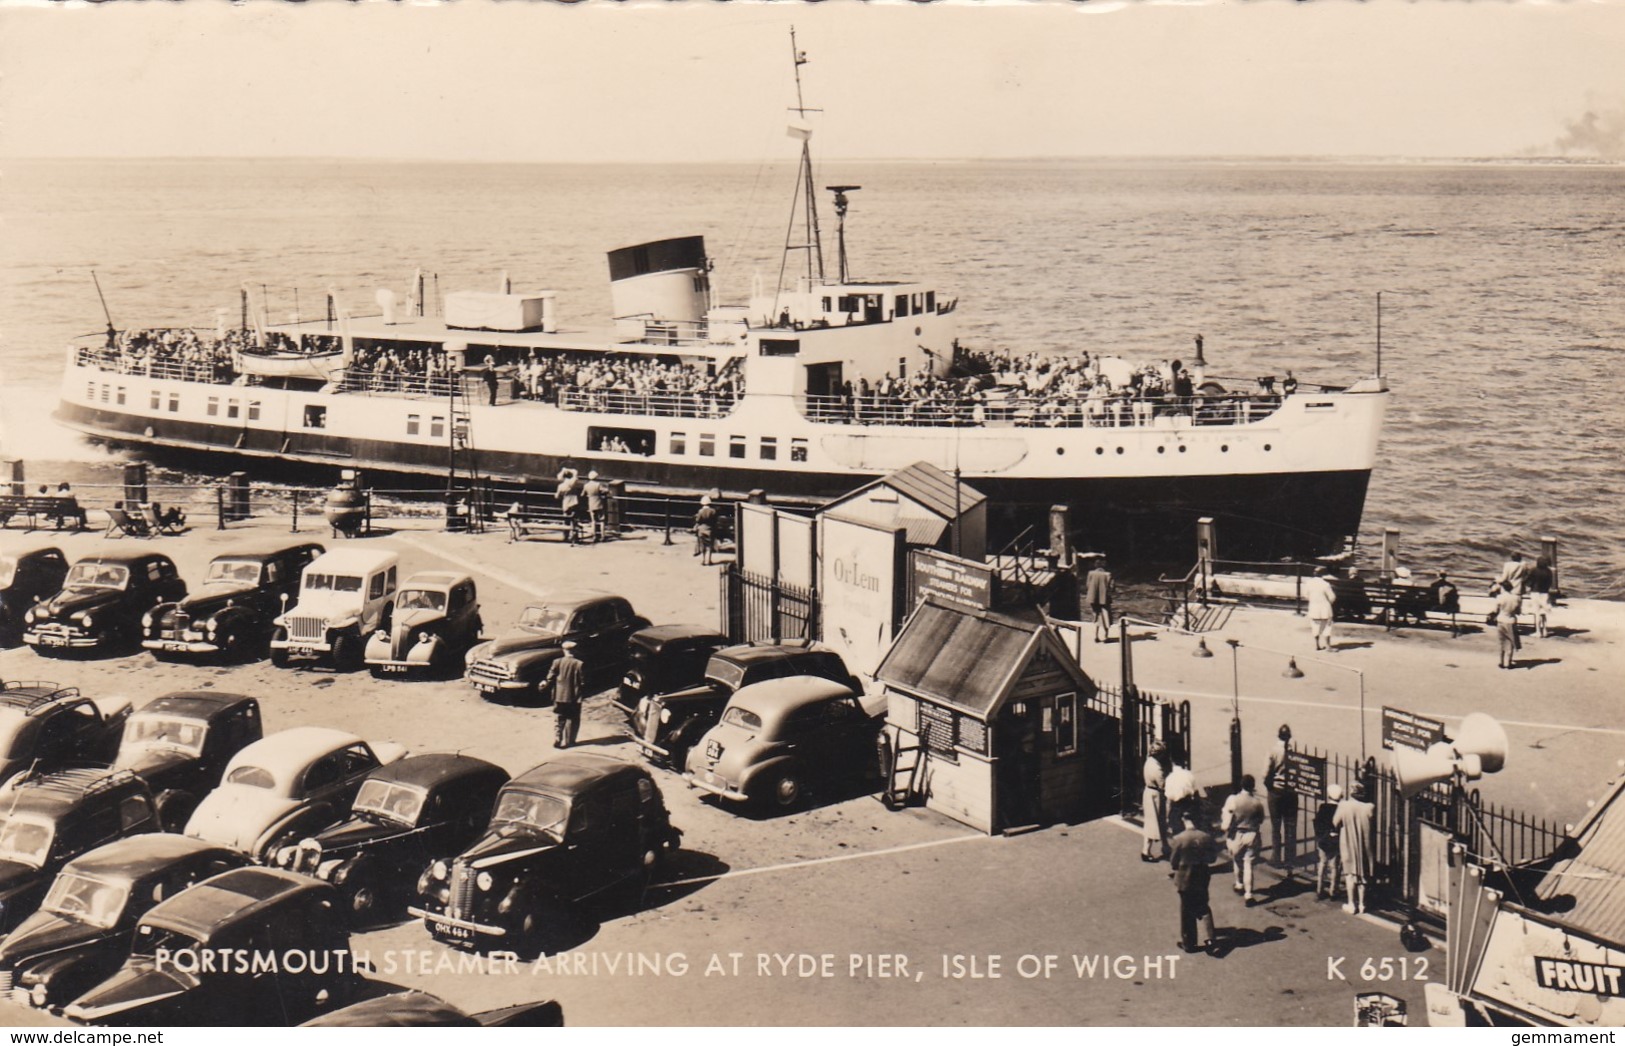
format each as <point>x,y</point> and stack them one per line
<point>182,353</point>
<point>1041,391</point>
<point>395,370</point>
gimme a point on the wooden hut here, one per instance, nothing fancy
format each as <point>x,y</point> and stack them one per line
<point>985,714</point>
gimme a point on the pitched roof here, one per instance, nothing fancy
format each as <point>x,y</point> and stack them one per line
<point>1593,875</point>
<point>928,485</point>
<point>958,656</point>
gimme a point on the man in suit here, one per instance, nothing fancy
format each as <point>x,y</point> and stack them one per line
<point>1097,590</point>
<point>1191,855</point>
<point>566,677</point>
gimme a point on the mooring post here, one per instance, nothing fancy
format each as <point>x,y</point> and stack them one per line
<point>294,529</point>
<point>219,507</point>
<point>667,541</point>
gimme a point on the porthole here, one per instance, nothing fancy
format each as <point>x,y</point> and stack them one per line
<point>1182,448</point>
<point>1119,450</point>
<point>1266,446</point>
<point>1100,450</point>
<point>1060,450</point>
<point>1162,450</point>
<point>916,332</point>
<point>1224,448</point>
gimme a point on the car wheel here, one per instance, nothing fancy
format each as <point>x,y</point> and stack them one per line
<point>347,653</point>
<point>363,900</point>
<point>785,792</point>
<point>279,655</point>
<point>174,810</point>
<point>231,646</point>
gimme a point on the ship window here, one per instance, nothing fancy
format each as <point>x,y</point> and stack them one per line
<point>902,305</point>
<point>437,426</point>
<point>174,402</point>
<point>780,346</point>
<point>826,303</point>
<point>930,301</point>
<point>902,367</point>
<point>315,417</point>
<point>621,441</point>
<point>770,448</point>
<point>708,445</point>
<point>120,397</point>
<point>104,393</point>
<point>214,407</point>
<point>233,408</point>
<point>918,303</point>
<point>850,303</point>
<point>798,449</point>
<point>90,393</point>
<point>679,443</point>
<point>413,423</point>
<point>253,410</point>
<point>736,446</point>
<point>157,401</point>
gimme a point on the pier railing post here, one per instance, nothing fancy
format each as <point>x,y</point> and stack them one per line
<point>667,540</point>
<point>219,508</point>
<point>294,529</point>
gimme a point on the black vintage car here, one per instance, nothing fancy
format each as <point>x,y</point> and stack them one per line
<point>252,946</point>
<point>47,821</point>
<point>101,603</point>
<point>26,577</point>
<point>407,815</point>
<point>576,826</point>
<point>666,725</point>
<point>414,1009</point>
<point>45,727</point>
<point>181,743</point>
<point>517,661</point>
<point>230,616</point>
<point>664,658</point>
<point>82,931</point>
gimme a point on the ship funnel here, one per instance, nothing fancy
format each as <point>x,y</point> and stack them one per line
<point>386,302</point>
<point>665,281</point>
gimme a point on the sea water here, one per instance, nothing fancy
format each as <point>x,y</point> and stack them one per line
<point>1503,287</point>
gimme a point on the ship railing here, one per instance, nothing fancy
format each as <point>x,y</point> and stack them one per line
<point>396,383</point>
<point>202,372</point>
<point>1040,412</point>
<point>676,333</point>
<point>655,404</point>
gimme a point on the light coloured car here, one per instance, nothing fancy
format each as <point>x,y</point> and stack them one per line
<point>344,596</point>
<point>435,620</point>
<point>289,785</point>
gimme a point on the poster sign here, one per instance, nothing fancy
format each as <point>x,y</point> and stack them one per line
<point>858,586</point>
<point>950,578</point>
<point>1306,774</point>
<point>1567,975</point>
<point>1402,729</point>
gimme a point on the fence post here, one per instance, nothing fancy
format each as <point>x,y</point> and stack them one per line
<point>219,507</point>
<point>295,528</point>
<point>667,541</point>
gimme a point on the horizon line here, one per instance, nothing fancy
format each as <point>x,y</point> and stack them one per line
<point>789,161</point>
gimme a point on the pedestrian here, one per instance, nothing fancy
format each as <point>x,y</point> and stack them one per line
<point>594,490</point>
<point>1154,804</point>
<point>705,523</point>
<point>1098,587</point>
<point>1539,585</point>
<point>1283,803</point>
<point>489,373</point>
<point>564,677</point>
<point>1191,857</point>
<point>569,494</point>
<point>1353,819</point>
<point>1184,797</point>
<point>1321,598</point>
<point>1514,570</point>
<point>1242,821</point>
<point>1328,851</point>
<point>1507,608</point>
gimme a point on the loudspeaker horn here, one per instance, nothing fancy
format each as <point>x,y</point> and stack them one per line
<point>1482,736</point>
<point>1416,771</point>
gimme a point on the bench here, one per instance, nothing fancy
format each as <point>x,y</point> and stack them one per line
<point>38,509</point>
<point>1391,604</point>
<point>523,525</point>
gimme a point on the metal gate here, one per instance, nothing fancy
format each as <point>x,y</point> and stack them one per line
<point>1116,780</point>
<point>755,608</point>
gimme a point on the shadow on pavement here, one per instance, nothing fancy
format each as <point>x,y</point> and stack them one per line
<point>1232,938</point>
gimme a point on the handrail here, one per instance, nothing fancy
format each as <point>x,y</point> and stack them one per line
<point>657,404</point>
<point>1038,412</point>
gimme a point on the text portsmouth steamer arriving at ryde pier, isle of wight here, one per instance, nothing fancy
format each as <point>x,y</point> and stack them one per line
<point>805,392</point>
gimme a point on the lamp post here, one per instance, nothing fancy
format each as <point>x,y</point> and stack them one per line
<point>1235,714</point>
<point>1292,671</point>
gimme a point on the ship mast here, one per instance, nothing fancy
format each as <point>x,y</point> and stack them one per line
<point>803,200</point>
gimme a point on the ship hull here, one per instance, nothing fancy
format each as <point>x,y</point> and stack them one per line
<point>1261,516</point>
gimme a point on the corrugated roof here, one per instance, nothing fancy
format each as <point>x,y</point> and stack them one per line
<point>1593,876</point>
<point>918,530</point>
<point>962,658</point>
<point>928,485</point>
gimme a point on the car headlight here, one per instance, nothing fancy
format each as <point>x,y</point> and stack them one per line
<point>423,637</point>
<point>212,628</point>
<point>439,870</point>
<point>146,619</point>
<point>40,995</point>
<point>28,615</point>
<point>381,636</point>
<point>88,621</point>
<point>285,857</point>
<point>485,881</point>
<point>665,714</point>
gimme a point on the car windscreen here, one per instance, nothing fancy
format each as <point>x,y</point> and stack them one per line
<point>420,599</point>
<point>545,619</point>
<point>331,582</point>
<point>252,777</point>
<point>167,732</point>
<point>235,571</point>
<point>8,571</point>
<point>728,673</point>
<point>743,718</point>
<point>86,899</point>
<point>25,839</point>
<point>98,575</point>
<point>391,800</point>
<point>544,813</point>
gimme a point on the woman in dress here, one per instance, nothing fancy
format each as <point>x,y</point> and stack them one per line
<point>1154,804</point>
<point>1507,607</point>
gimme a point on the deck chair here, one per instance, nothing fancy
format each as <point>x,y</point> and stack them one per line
<point>158,525</point>
<point>120,523</point>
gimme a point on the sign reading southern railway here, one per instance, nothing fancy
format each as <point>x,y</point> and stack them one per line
<point>1402,729</point>
<point>957,580</point>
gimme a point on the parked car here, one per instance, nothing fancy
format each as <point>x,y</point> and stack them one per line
<point>517,662</point>
<point>45,727</point>
<point>344,596</point>
<point>285,787</point>
<point>26,577</point>
<point>181,743</point>
<point>415,1009</point>
<point>230,616</point>
<point>285,925</point>
<point>435,620</point>
<point>101,602</point>
<point>663,658</point>
<point>778,737</point>
<point>48,820</point>
<point>407,815</point>
<point>82,931</point>
<point>577,825</point>
<point>666,725</point>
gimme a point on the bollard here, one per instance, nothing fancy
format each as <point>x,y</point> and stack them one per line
<point>1548,548</point>
<point>237,496</point>
<point>667,541</point>
<point>294,529</point>
<point>612,507</point>
<point>219,508</point>
<point>135,483</point>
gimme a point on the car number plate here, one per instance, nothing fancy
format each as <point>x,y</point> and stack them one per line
<point>393,668</point>
<point>485,688</point>
<point>713,751</point>
<point>173,644</point>
<point>52,639</point>
<point>302,651</point>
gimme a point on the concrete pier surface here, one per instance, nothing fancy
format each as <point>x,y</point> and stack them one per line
<point>896,918</point>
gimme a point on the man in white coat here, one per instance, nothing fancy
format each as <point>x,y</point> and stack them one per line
<point>1320,596</point>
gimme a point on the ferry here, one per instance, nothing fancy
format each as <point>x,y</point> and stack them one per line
<point>802,392</point>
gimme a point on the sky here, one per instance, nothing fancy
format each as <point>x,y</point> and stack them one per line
<point>481,80</point>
